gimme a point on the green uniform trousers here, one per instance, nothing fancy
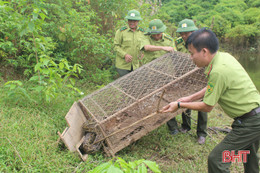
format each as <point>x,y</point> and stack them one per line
<point>245,135</point>
<point>123,72</point>
<point>186,122</point>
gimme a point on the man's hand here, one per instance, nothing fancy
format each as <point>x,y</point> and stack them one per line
<point>128,58</point>
<point>168,48</point>
<point>172,107</point>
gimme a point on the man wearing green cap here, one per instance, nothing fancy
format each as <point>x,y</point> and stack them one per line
<point>156,43</point>
<point>127,43</point>
<point>185,28</point>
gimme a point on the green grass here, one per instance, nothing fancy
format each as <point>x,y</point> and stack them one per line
<point>28,141</point>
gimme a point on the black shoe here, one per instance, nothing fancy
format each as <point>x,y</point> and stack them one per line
<point>174,132</point>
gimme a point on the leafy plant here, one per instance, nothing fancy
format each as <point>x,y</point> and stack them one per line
<point>54,77</point>
<point>121,166</point>
<point>16,89</point>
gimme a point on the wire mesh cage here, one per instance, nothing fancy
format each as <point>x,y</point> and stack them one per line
<point>128,108</point>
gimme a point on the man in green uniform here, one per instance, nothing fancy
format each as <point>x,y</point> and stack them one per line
<point>127,43</point>
<point>156,43</point>
<point>185,28</point>
<point>230,86</point>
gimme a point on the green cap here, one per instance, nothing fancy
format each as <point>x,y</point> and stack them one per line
<point>133,15</point>
<point>156,26</point>
<point>186,25</point>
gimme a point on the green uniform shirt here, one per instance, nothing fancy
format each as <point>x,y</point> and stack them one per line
<point>151,55</point>
<point>230,86</point>
<point>180,44</point>
<point>128,42</point>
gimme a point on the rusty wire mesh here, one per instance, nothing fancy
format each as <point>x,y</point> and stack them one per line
<point>147,79</point>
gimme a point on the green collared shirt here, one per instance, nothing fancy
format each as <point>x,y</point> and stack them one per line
<point>151,55</point>
<point>128,42</point>
<point>230,86</point>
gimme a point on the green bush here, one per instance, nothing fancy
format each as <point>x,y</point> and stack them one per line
<point>243,35</point>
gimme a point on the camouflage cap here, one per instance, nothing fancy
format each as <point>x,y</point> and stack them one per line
<point>156,26</point>
<point>186,25</point>
<point>133,15</point>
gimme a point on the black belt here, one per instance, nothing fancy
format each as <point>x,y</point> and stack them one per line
<point>249,114</point>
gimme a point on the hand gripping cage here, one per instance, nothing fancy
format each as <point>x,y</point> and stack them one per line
<point>128,108</point>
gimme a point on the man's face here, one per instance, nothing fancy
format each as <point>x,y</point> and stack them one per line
<point>185,35</point>
<point>133,24</point>
<point>197,57</point>
<point>157,36</point>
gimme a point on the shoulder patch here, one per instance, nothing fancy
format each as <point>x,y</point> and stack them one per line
<point>140,29</point>
<point>123,28</point>
<point>168,37</point>
<point>179,40</point>
<point>210,87</point>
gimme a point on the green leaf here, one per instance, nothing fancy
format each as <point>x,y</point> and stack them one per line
<point>45,61</point>
<point>13,82</point>
<point>45,71</point>
<point>23,9</point>
<point>122,162</point>
<point>72,81</point>
<point>138,162</point>
<point>44,10</point>
<point>18,82</point>
<point>53,63</point>
<point>42,46</point>
<point>35,16</point>
<point>31,26</point>
<point>43,16</point>
<point>11,93</point>
<point>152,165</point>
<point>23,32</point>
<point>47,97</point>
<point>3,2</point>
<point>113,169</point>
<point>34,78</point>
<point>37,67</point>
<point>24,92</point>
<point>101,167</point>
<point>36,10</point>
<point>132,165</point>
<point>38,88</point>
<point>61,65</point>
<point>12,86</point>
<point>142,168</point>
<point>7,83</point>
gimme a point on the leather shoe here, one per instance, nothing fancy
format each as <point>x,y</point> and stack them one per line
<point>174,132</point>
<point>201,140</point>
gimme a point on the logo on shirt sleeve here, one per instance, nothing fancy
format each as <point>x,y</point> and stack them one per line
<point>210,87</point>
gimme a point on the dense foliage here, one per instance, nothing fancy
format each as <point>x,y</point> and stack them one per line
<point>52,43</point>
<point>234,21</point>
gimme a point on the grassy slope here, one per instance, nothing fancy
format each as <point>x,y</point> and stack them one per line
<point>28,141</point>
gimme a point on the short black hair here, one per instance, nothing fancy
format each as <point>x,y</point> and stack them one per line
<point>203,38</point>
